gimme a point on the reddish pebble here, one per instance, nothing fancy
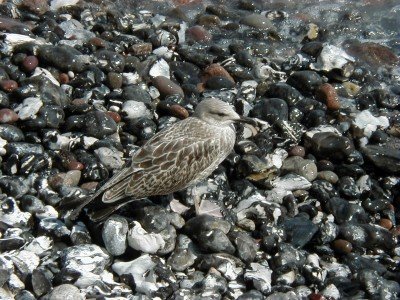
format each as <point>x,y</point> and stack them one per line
<point>63,78</point>
<point>115,116</point>
<point>167,87</point>
<point>315,296</point>
<point>179,111</point>
<point>386,223</point>
<point>326,93</point>
<point>30,63</point>
<point>297,151</point>
<point>342,246</point>
<point>8,116</point>
<point>216,70</point>
<point>75,165</point>
<point>199,34</point>
<point>8,85</point>
<point>98,42</point>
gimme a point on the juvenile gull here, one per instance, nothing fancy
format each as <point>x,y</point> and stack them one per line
<point>177,157</point>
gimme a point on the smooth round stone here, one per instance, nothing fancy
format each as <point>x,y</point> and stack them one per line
<point>63,78</point>
<point>115,116</point>
<point>8,116</point>
<point>173,109</point>
<point>167,87</point>
<point>328,176</point>
<point>114,234</point>
<point>199,34</point>
<point>284,91</point>
<point>342,246</point>
<point>30,63</point>
<point>208,20</point>
<point>257,21</point>
<point>114,80</point>
<point>325,165</point>
<point>300,166</point>
<point>326,93</point>
<point>245,59</point>
<point>8,85</point>
<point>65,292</point>
<point>297,151</point>
<point>305,81</point>
<point>219,83</point>
<point>216,70</point>
<point>386,223</point>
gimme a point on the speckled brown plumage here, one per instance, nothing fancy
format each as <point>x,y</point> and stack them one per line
<point>178,157</point>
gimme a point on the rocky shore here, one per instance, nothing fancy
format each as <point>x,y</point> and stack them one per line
<point>306,207</point>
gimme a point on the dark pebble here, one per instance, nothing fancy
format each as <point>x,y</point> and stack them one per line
<point>218,83</point>
<point>305,81</point>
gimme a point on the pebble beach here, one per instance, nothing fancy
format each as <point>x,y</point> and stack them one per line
<point>307,205</point>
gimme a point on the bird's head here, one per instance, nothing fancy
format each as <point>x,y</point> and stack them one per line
<point>217,112</point>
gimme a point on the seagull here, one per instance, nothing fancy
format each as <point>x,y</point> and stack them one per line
<point>176,158</point>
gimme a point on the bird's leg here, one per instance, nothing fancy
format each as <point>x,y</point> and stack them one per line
<point>196,198</point>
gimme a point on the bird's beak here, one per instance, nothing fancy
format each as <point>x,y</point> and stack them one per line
<point>247,120</point>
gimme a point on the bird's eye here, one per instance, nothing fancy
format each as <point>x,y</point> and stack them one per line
<point>221,114</point>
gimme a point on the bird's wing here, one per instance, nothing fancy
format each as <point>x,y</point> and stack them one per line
<point>161,165</point>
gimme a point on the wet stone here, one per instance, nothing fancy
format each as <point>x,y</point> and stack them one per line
<point>329,176</point>
<point>167,87</point>
<point>218,83</point>
<point>257,21</point>
<point>368,236</point>
<point>30,63</point>
<point>11,133</point>
<point>300,166</point>
<point>41,87</point>
<point>348,188</point>
<point>136,93</point>
<point>305,81</point>
<point>328,144</point>
<point>327,94</point>
<point>99,124</point>
<point>63,57</point>
<point>342,246</point>
<point>270,110</point>
<point>384,158</point>
<point>8,85</point>
<point>199,34</point>
<point>344,211</point>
